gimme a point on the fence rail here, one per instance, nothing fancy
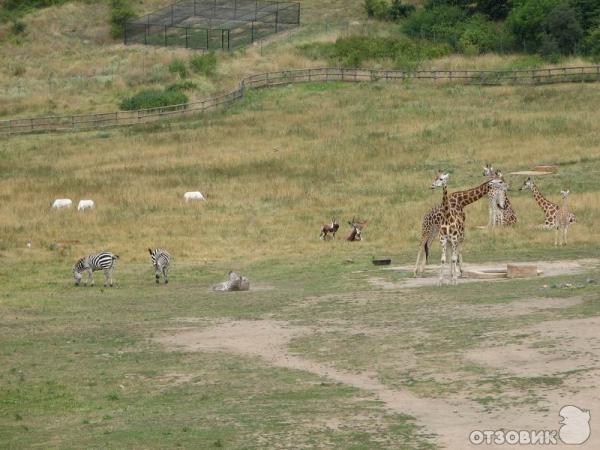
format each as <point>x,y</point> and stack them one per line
<point>267,79</point>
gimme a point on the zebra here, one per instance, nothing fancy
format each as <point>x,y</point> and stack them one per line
<point>161,260</point>
<point>104,261</point>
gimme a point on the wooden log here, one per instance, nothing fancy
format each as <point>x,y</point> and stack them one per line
<point>521,270</point>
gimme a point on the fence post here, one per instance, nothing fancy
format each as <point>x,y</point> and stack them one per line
<point>234,9</point>
<point>125,33</point>
<point>195,8</point>
<point>165,35</point>
<point>146,33</point>
<point>186,37</point>
<point>222,39</point>
<point>228,40</point>
<point>207,39</point>
<point>252,31</point>
<point>172,18</point>
<point>277,19</point>
<point>72,122</point>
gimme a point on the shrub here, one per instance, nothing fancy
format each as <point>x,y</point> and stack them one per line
<point>177,66</point>
<point>440,22</point>
<point>526,21</point>
<point>563,26</point>
<point>376,8</point>
<point>352,51</point>
<point>591,44</point>
<point>17,27</point>
<point>120,12</point>
<point>183,86</point>
<point>153,99</point>
<point>204,64</point>
<point>479,36</point>
<point>398,10</point>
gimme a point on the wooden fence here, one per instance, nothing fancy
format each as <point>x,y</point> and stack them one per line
<point>123,118</point>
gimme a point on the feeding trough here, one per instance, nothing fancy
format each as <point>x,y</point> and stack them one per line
<point>531,173</point>
<point>511,271</point>
<point>382,262</point>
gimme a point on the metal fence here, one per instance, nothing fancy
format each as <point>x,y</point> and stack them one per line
<point>328,74</point>
<point>212,24</point>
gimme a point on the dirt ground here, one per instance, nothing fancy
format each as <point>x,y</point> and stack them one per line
<point>571,345</point>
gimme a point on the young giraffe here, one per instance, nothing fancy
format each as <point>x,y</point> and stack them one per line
<point>452,228</point>
<point>550,209</point>
<point>496,215</point>
<point>564,218</point>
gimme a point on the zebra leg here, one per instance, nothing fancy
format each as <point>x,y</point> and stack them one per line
<point>106,276</point>
<point>157,274</point>
<point>90,277</point>
<point>165,271</point>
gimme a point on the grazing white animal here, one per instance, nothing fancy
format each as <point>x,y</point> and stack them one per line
<point>62,203</point>
<point>195,195</point>
<point>85,204</point>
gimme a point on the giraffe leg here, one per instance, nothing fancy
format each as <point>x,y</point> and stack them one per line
<point>566,229</point>
<point>556,236</point>
<point>443,261</point>
<point>453,265</point>
<point>416,272</point>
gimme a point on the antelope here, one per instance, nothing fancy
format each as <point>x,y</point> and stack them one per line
<point>356,233</point>
<point>331,228</point>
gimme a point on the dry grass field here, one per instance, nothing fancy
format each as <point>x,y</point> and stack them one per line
<point>326,350</point>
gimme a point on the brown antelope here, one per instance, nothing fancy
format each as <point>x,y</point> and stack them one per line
<point>329,229</point>
<point>356,233</point>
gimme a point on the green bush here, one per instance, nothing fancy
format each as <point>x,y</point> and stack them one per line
<point>398,10</point>
<point>153,99</point>
<point>204,64</point>
<point>352,51</point>
<point>183,86</point>
<point>177,66</point>
<point>120,12</point>
<point>442,22</point>
<point>479,36</point>
<point>591,44</point>
<point>377,9</point>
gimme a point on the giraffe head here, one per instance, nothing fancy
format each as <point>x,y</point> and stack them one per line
<point>488,170</point>
<point>440,180</point>
<point>564,194</point>
<point>528,184</point>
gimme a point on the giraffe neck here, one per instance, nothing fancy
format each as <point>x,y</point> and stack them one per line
<point>540,200</point>
<point>463,198</point>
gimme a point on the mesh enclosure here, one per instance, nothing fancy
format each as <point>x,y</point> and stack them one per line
<point>212,24</point>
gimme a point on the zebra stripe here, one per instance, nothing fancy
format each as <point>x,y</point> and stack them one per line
<point>161,261</point>
<point>104,261</point>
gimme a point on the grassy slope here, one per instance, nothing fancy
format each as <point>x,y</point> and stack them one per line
<point>285,160</point>
<point>66,62</point>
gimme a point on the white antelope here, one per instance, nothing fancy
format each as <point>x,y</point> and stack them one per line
<point>62,203</point>
<point>194,195</point>
<point>85,204</point>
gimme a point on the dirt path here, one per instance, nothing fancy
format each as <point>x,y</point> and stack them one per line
<point>451,420</point>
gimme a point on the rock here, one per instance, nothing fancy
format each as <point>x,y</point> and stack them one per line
<point>235,283</point>
<point>589,280</point>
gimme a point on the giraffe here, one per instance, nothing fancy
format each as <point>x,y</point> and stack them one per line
<point>452,228</point>
<point>550,209</point>
<point>434,218</point>
<point>564,218</point>
<point>498,216</point>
